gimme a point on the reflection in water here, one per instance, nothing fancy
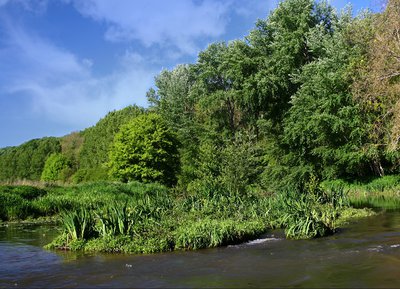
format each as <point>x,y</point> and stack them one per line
<point>367,254</point>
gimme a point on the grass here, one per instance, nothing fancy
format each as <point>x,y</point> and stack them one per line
<point>139,218</point>
<point>17,202</point>
<point>155,222</point>
<point>381,193</point>
<point>78,224</point>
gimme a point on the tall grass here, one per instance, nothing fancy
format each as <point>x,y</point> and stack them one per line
<point>139,218</point>
<point>381,192</point>
<point>307,215</point>
<point>115,220</point>
<point>16,203</point>
<point>208,233</point>
<point>78,224</point>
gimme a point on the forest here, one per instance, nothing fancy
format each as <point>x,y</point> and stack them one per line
<point>303,112</point>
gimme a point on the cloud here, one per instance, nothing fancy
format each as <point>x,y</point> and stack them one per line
<point>61,86</point>
<point>176,23</point>
<point>49,88</point>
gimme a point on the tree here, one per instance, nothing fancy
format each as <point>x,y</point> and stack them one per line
<point>281,50</point>
<point>56,168</point>
<point>146,150</point>
<point>174,101</point>
<point>225,87</point>
<point>377,87</point>
<point>323,129</point>
<point>93,154</point>
<point>27,160</point>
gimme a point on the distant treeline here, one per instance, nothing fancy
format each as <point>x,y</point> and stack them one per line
<point>85,153</point>
<point>310,94</point>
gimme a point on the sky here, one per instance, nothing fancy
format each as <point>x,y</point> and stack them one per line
<point>64,64</point>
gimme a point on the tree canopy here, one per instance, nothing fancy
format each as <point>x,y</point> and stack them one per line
<point>146,150</point>
<point>309,94</point>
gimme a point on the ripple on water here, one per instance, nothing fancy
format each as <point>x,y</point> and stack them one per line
<point>260,241</point>
<point>18,261</point>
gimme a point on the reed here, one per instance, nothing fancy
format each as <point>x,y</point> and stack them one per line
<point>115,220</point>
<point>78,224</point>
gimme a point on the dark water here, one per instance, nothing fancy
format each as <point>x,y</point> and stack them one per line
<point>367,254</point>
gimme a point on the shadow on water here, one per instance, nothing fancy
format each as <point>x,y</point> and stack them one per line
<point>366,254</point>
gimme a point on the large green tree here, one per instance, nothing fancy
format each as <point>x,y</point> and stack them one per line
<point>175,101</point>
<point>281,50</point>
<point>56,168</point>
<point>324,130</point>
<point>146,150</point>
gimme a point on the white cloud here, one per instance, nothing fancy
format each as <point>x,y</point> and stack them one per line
<point>61,86</point>
<point>177,23</point>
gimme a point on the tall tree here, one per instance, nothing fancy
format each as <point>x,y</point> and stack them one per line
<point>324,128</point>
<point>173,99</point>
<point>377,88</point>
<point>281,50</point>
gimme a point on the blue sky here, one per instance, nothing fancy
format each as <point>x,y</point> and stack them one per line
<point>66,63</point>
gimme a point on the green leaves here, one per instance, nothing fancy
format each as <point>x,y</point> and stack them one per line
<point>27,160</point>
<point>145,150</point>
<point>55,168</point>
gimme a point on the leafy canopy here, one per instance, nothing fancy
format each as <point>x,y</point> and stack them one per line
<point>55,168</point>
<point>145,150</point>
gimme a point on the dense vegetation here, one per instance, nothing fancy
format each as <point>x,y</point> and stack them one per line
<point>143,218</point>
<point>261,132</point>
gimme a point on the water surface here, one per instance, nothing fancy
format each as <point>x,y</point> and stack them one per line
<point>366,254</point>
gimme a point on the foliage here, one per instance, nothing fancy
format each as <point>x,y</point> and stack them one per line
<point>116,219</point>
<point>208,233</point>
<point>71,146</point>
<point>97,141</point>
<point>55,168</point>
<point>145,150</point>
<point>175,102</point>
<point>27,160</point>
<point>373,192</point>
<point>78,224</point>
<point>263,132</point>
<point>377,87</point>
<point>17,202</point>
<point>305,216</point>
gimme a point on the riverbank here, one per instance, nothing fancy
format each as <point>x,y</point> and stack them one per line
<point>148,218</point>
<point>380,193</point>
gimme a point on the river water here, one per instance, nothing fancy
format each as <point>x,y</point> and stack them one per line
<point>366,254</point>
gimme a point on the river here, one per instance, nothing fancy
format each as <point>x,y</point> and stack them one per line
<point>365,254</point>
